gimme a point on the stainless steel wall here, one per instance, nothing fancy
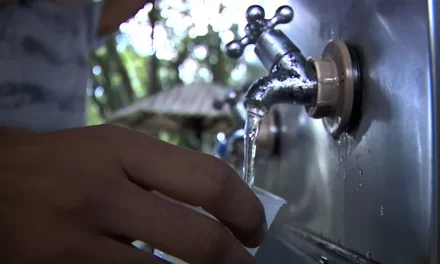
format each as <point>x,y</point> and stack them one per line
<point>372,194</point>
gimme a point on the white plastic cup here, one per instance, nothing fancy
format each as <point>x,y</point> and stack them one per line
<point>271,204</point>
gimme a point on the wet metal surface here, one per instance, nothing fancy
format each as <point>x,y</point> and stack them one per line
<point>371,194</point>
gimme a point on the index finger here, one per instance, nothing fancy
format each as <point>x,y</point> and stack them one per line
<point>196,179</point>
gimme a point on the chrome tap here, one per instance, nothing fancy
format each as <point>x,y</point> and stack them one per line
<point>328,87</point>
<point>233,99</point>
<point>226,143</point>
<point>229,145</point>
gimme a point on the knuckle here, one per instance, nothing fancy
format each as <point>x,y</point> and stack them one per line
<point>97,207</point>
<point>96,201</point>
<point>111,136</point>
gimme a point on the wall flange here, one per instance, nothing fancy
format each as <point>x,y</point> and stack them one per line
<point>338,88</point>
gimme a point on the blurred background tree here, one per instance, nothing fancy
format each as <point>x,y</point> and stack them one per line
<point>171,42</point>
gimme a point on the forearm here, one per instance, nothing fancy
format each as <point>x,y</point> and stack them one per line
<point>115,12</point>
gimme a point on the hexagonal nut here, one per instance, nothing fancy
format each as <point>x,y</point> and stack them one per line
<point>327,88</point>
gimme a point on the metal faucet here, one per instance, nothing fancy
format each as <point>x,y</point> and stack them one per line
<point>228,145</point>
<point>233,99</point>
<point>328,87</point>
<point>225,144</point>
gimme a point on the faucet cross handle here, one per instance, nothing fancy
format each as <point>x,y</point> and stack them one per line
<point>258,25</point>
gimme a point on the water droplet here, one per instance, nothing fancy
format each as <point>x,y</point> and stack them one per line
<point>382,210</point>
<point>369,254</point>
<point>361,175</point>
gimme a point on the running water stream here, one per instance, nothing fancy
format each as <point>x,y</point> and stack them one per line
<point>252,128</point>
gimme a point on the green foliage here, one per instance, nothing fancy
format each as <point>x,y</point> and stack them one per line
<point>123,75</point>
<point>93,116</point>
<point>123,71</point>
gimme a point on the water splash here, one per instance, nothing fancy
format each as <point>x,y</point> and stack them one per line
<point>342,156</point>
<point>252,128</point>
<point>349,147</point>
<point>345,148</point>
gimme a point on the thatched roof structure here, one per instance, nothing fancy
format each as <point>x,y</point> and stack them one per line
<point>185,107</point>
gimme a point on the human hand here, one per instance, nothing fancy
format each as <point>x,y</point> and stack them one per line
<point>83,195</point>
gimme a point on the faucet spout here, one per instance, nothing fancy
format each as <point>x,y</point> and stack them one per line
<point>328,86</point>
<point>283,86</point>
